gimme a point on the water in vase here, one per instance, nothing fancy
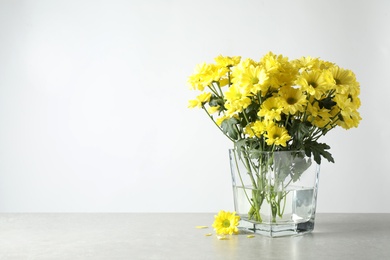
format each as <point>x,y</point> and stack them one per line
<point>296,205</point>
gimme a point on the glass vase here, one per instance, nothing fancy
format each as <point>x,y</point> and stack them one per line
<point>275,193</point>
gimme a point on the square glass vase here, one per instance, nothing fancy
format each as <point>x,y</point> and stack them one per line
<point>275,193</point>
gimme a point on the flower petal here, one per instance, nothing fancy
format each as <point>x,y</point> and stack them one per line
<point>201,227</point>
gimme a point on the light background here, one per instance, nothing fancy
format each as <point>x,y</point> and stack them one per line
<point>93,100</point>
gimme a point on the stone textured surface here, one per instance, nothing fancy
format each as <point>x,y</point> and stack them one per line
<point>174,236</point>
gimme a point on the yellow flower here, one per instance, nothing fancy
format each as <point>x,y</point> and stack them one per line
<point>223,82</point>
<point>276,135</point>
<point>314,82</point>
<point>319,117</point>
<point>280,71</point>
<point>200,100</point>
<point>294,100</point>
<point>219,120</point>
<point>253,78</point>
<point>240,71</point>
<point>271,109</point>
<point>344,80</point>
<point>236,100</point>
<point>271,62</point>
<point>202,77</point>
<point>259,127</point>
<point>347,101</point>
<point>212,110</point>
<point>347,118</point>
<point>255,129</point>
<point>226,61</point>
<point>308,63</point>
<point>226,223</point>
<point>194,103</point>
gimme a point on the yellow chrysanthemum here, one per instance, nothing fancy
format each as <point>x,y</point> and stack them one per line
<point>347,102</point>
<point>271,109</point>
<point>203,76</point>
<point>348,120</point>
<point>307,63</point>
<point>241,68</point>
<point>226,223</point>
<point>314,83</point>
<point>347,110</point>
<point>252,78</point>
<point>280,70</point>
<point>317,116</point>
<point>249,131</point>
<point>223,82</point>
<point>200,100</point>
<point>344,80</point>
<point>294,100</point>
<point>212,110</point>
<point>236,100</point>
<point>219,120</point>
<point>272,62</point>
<point>276,135</point>
<point>255,129</point>
<point>227,61</point>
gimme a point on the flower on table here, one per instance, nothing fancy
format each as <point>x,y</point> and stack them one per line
<point>226,223</point>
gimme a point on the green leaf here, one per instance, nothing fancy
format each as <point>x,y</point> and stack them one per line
<point>327,103</point>
<point>229,127</point>
<point>318,151</point>
<point>216,101</point>
<point>251,112</point>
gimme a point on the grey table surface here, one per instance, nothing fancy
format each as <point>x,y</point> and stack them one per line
<point>174,236</point>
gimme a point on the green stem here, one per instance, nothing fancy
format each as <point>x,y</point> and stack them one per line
<point>239,175</point>
<point>257,193</point>
<point>212,88</point>
<point>212,119</point>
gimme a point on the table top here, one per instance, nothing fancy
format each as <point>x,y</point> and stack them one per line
<point>175,236</point>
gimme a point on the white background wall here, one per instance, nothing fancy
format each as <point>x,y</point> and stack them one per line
<point>93,100</point>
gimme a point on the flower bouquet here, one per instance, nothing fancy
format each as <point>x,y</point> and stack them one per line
<point>274,111</point>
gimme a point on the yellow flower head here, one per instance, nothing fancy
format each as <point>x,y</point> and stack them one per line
<point>308,63</point>
<point>200,100</point>
<point>252,78</point>
<point>314,83</point>
<point>226,61</point>
<point>294,100</point>
<point>212,110</point>
<point>348,119</point>
<point>203,76</point>
<point>271,109</point>
<point>226,223</point>
<point>276,135</point>
<point>280,70</point>
<point>319,117</point>
<point>236,100</point>
<point>255,129</point>
<point>343,79</point>
<point>248,130</point>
